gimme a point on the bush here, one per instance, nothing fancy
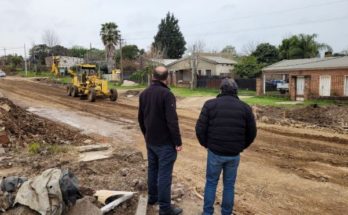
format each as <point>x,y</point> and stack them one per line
<point>34,148</point>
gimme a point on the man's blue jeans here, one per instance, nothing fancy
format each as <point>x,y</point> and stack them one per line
<point>161,159</point>
<point>229,166</point>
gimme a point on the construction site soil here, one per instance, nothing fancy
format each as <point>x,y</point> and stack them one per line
<point>297,165</point>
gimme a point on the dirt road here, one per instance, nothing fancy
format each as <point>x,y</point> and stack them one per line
<point>286,170</point>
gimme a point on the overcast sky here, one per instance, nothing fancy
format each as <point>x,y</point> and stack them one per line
<point>216,22</point>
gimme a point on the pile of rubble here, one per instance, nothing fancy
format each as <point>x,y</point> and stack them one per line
<point>19,127</point>
<point>314,116</point>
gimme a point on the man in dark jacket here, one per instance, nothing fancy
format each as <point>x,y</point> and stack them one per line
<point>158,121</point>
<point>226,126</point>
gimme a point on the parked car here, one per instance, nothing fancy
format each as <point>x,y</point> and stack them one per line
<point>283,87</point>
<point>2,74</point>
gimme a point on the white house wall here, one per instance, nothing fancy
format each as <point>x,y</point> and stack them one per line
<point>223,69</point>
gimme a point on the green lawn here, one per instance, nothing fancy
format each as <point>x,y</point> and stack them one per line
<point>31,74</point>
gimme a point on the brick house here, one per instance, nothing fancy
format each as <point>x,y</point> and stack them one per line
<point>311,78</point>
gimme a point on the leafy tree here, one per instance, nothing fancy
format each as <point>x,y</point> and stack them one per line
<point>169,38</point>
<point>14,60</point>
<point>38,53</point>
<point>95,55</point>
<point>77,51</point>
<point>59,50</point>
<point>110,36</point>
<point>301,46</point>
<point>266,54</point>
<point>130,52</point>
<point>248,67</point>
<point>230,50</point>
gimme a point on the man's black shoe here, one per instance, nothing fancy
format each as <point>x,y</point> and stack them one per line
<point>172,211</point>
<point>151,202</point>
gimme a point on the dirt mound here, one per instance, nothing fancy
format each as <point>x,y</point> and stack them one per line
<point>23,127</point>
<point>323,116</point>
<point>332,117</point>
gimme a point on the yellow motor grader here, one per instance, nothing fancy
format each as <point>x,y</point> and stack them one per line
<point>85,82</point>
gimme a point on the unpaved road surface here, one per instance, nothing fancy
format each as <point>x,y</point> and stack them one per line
<point>286,170</point>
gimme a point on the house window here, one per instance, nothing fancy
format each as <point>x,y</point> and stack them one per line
<point>208,72</point>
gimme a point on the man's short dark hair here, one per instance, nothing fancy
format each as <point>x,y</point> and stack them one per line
<point>160,73</point>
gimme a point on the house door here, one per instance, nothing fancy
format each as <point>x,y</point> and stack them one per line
<point>300,82</point>
<point>325,85</point>
<point>346,86</point>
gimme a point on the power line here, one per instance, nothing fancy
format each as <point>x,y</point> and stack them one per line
<point>257,28</point>
<point>257,15</point>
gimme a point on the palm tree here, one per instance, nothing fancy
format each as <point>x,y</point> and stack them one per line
<point>110,36</point>
<point>302,46</point>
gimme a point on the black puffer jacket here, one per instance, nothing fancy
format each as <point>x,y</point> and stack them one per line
<point>157,116</point>
<point>226,125</point>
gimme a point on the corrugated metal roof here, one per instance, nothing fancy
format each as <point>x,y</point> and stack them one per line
<point>309,64</point>
<point>220,60</point>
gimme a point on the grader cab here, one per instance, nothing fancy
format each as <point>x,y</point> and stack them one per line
<point>86,82</point>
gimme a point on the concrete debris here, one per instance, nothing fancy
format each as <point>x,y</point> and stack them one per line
<point>91,148</point>
<point>124,172</point>
<point>4,140</point>
<point>127,83</point>
<point>2,151</point>
<point>95,155</point>
<point>84,207</point>
<point>5,107</point>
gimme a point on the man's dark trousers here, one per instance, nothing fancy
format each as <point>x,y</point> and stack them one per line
<point>161,159</point>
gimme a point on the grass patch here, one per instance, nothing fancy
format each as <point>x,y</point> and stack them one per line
<point>31,74</point>
<point>265,100</point>
<point>34,148</point>
<point>63,80</point>
<point>37,148</point>
<point>117,85</point>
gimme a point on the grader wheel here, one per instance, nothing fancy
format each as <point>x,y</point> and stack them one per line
<point>74,91</point>
<point>91,95</point>
<point>68,90</point>
<point>113,95</point>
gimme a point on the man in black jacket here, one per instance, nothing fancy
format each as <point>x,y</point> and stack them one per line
<point>158,121</point>
<point>226,126</point>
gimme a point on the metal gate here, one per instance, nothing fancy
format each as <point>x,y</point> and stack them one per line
<point>325,85</point>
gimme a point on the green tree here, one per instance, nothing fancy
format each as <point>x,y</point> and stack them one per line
<point>38,53</point>
<point>230,50</point>
<point>248,67</point>
<point>130,52</point>
<point>59,50</point>
<point>77,51</point>
<point>169,39</point>
<point>110,36</point>
<point>14,60</point>
<point>301,46</point>
<point>266,54</point>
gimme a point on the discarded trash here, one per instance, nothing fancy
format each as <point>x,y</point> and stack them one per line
<point>69,188</point>
<point>112,199</point>
<point>42,193</point>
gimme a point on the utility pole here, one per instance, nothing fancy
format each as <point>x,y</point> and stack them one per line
<point>25,61</point>
<point>121,60</point>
